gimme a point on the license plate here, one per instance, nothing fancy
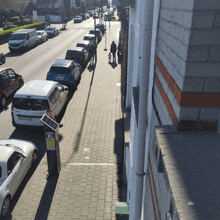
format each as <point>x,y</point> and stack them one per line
<point>25,118</point>
<point>60,78</point>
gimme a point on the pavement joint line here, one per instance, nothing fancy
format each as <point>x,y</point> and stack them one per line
<point>91,164</point>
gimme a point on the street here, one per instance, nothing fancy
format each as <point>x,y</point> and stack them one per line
<point>92,134</point>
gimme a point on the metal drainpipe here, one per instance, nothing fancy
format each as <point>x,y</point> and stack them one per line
<point>146,34</point>
<point>150,104</point>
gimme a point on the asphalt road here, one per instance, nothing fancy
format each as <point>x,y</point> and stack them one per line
<point>35,64</point>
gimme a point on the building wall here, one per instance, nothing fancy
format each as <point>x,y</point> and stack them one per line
<point>186,91</point>
<point>187,63</point>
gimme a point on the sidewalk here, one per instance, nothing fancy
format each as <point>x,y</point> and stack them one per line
<point>91,143</point>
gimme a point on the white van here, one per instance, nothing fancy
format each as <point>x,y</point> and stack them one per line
<point>35,98</point>
<point>23,39</point>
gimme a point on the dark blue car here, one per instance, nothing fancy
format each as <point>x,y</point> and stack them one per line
<point>67,72</point>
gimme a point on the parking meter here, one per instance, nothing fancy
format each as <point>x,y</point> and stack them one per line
<point>52,142</point>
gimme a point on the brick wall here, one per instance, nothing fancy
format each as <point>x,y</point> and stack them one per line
<point>187,76</point>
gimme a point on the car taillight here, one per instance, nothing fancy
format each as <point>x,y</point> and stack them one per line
<point>48,112</point>
<point>48,74</point>
<point>70,75</point>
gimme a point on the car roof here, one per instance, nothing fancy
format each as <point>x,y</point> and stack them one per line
<point>89,35</point>
<point>97,29</point>
<point>62,63</point>
<point>83,42</point>
<point>5,153</point>
<point>76,48</point>
<point>36,89</point>
<point>23,31</point>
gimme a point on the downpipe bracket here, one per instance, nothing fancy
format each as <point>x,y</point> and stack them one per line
<point>140,174</point>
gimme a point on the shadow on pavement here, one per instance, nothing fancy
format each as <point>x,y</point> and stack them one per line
<point>46,199</point>
<point>76,146</point>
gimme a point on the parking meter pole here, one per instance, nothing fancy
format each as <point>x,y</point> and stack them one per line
<point>105,38</point>
<point>53,152</point>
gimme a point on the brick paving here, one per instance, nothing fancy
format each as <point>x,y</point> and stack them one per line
<point>91,143</point>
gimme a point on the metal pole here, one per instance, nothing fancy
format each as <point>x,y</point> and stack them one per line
<point>105,38</point>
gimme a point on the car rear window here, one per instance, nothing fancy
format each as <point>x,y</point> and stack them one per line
<point>30,104</point>
<point>71,53</point>
<point>80,45</point>
<point>60,70</point>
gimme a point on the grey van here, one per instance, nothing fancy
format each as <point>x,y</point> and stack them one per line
<point>23,40</point>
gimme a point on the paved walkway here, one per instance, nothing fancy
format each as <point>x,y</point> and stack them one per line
<point>91,143</point>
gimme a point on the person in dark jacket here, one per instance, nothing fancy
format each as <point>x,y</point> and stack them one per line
<point>113,50</point>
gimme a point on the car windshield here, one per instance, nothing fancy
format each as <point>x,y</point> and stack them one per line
<point>30,104</point>
<point>17,36</point>
<point>60,70</point>
<point>38,33</point>
<point>49,29</point>
<point>78,17</point>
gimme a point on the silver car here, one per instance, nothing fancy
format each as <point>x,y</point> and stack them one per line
<point>42,36</point>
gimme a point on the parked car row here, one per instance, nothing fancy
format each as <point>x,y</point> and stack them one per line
<point>81,17</point>
<point>24,39</point>
<point>34,99</point>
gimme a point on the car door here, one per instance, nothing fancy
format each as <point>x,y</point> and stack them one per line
<point>62,97</point>
<point>6,87</point>
<point>14,83</point>
<point>12,171</point>
<point>22,166</point>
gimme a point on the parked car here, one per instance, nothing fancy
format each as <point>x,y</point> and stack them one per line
<point>87,16</point>
<point>95,15</point>
<point>79,54</point>
<point>2,58</point>
<point>51,31</point>
<point>88,45</point>
<point>101,27</point>
<point>84,16</point>
<point>22,39</point>
<point>90,13</point>
<point>77,19</point>
<point>16,157</point>
<point>36,98</point>
<point>42,36</point>
<point>97,33</point>
<point>90,37</point>
<point>67,72</point>
<point>10,82</point>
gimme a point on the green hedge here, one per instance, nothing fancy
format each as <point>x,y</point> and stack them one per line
<point>5,35</point>
<point>21,27</point>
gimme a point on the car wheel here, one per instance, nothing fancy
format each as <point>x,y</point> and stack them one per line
<point>34,157</point>
<point>6,206</point>
<point>3,101</point>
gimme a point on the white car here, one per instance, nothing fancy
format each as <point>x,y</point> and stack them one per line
<point>77,19</point>
<point>16,157</point>
<point>42,36</point>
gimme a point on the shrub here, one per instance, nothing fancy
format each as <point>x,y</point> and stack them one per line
<point>21,27</point>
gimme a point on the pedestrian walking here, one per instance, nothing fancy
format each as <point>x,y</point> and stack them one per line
<point>93,52</point>
<point>113,50</point>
